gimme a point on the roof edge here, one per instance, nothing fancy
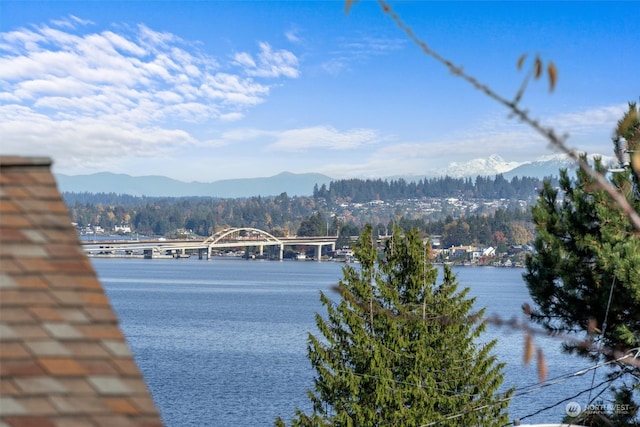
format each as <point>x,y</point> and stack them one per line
<point>21,161</point>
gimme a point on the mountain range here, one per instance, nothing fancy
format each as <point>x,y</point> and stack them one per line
<point>161,186</point>
<point>541,168</point>
<point>294,184</point>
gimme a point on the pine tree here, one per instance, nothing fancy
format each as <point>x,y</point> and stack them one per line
<point>586,268</point>
<point>398,349</point>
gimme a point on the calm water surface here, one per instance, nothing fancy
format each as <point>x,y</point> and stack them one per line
<point>224,342</point>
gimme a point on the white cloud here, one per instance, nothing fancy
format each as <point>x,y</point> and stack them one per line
<point>122,44</point>
<point>52,86</point>
<point>370,46</point>
<point>92,142</point>
<point>269,62</point>
<point>245,60</point>
<point>81,95</point>
<point>360,50</point>
<point>323,137</point>
<point>71,22</point>
<point>231,117</point>
<point>292,36</point>
<point>335,66</point>
<point>589,130</point>
<point>587,120</point>
<point>302,139</point>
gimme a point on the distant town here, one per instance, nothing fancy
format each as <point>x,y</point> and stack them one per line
<point>461,228</point>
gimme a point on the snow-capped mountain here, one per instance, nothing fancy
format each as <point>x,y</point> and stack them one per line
<point>545,166</point>
<point>484,167</point>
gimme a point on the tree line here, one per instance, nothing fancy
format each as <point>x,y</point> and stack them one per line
<point>500,230</point>
<point>360,190</point>
<point>279,215</point>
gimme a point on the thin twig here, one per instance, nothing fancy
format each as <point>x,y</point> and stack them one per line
<point>547,132</point>
<point>629,357</point>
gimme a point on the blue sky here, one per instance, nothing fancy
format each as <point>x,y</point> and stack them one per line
<point>207,90</point>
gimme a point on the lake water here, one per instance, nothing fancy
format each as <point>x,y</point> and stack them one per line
<point>224,342</point>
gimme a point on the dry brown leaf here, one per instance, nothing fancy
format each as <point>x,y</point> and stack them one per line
<point>553,75</point>
<point>528,348</point>
<point>521,61</point>
<point>542,367</point>
<point>347,6</point>
<point>538,68</point>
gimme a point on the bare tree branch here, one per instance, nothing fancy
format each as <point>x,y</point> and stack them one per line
<point>628,357</point>
<point>559,142</point>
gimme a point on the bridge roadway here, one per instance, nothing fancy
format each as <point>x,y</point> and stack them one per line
<point>227,238</point>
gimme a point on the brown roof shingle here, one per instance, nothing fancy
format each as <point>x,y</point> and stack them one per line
<point>63,358</point>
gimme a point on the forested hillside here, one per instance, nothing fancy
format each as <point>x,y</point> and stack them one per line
<point>200,215</point>
<point>342,209</point>
<point>358,190</point>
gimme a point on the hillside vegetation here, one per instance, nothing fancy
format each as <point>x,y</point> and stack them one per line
<point>487,211</point>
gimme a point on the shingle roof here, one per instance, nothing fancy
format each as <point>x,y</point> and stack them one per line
<point>63,359</point>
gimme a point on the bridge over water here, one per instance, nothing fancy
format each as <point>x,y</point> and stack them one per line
<point>229,238</point>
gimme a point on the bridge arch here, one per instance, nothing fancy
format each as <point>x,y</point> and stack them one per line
<point>257,234</point>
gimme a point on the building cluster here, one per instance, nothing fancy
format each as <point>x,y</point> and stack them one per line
<point>469,255</point>
<point>98,230</point>
<point>430,207</point>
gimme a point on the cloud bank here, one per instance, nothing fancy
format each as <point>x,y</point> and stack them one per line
<point>79,95</point>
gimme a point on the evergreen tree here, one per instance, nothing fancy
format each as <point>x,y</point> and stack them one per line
<point>313,225</point>
<point>399,349</point>
<point>586,268</point>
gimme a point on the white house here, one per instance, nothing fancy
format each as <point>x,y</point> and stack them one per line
<point>122,229</point>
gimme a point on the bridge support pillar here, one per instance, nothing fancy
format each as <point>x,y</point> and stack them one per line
<point>318,252</point>
<point>203,252</point>
<point>281,252</point>
<point>261,250</point>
